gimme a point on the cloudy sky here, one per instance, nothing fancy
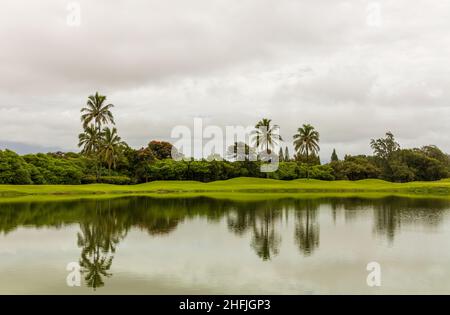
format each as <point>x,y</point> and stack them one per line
<point>353,69</point>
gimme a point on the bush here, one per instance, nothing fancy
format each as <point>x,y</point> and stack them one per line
<point>355,168</point>
<point>407,165</point>
<point>50,169</point>
<point>168,169</point>
<point>115,180</point>
<point>286,171</point>
<point>323,172</point>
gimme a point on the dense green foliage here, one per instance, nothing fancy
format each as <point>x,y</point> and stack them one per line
<point>13,169</point>
<point>139,166</point>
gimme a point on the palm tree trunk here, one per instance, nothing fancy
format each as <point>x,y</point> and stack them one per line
<point>307,163</point>
<point>97,168</point>
<point>267,151</point>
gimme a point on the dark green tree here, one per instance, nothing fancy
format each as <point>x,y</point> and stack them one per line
<point>161,149</point>
<point>334,156</point>
<point>281,155</point>
<point>384,147</point>
<point>287,158</point>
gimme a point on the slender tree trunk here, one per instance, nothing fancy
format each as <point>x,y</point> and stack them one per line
<point>307,163</point>
<point>307,226</point>
<point>97,168</point>
<point>97,157</point>
<point>267,151</point>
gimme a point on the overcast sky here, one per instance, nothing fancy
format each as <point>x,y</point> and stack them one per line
<point>351,70</point>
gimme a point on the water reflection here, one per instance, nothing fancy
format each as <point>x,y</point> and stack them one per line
<point>266,240</point>
<point>98,239</point>
<point>307,231</point>
<point>103,224</point>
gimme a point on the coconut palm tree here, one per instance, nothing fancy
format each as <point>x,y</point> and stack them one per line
<point>97,111</point>
<point>110,147</point>
<point>89,140</point>
<point>266,135</point>
<point>306,141</point>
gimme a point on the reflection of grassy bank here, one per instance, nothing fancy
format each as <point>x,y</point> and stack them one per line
<point>239,188</point>
<point>232,196</point>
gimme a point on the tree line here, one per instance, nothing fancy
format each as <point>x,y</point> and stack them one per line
<point>105,158</point>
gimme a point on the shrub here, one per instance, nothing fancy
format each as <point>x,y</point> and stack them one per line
<point>115,180</point>
<point>323,172</point>
<point>50,169</point>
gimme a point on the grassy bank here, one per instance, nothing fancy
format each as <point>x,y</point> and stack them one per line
<point>237,185</point>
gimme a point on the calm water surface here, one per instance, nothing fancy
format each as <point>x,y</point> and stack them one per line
<point>209,246</point>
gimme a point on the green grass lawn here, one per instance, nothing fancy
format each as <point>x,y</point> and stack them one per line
<point>241,185</point>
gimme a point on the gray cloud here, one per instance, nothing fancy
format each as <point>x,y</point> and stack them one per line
<point>164,62</point>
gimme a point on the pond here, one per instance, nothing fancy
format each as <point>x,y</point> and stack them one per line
<point>200,245</point>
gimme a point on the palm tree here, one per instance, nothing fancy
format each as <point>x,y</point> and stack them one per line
<point>267,136</point>
<point>97,111</point>
<point>306,141</point>
<point>89,140</point>
<point>110,147</point>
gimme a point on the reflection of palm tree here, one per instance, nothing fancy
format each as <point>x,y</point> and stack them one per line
<point>266,241</point>
<point>307,231</point>
<point>98,238</point>
<point>95,261</point>
<point>96,269</point>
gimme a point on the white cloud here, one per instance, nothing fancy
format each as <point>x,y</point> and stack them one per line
<point>164,62</point>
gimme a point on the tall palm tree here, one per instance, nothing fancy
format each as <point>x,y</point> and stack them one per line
<point>306,141</point>
<point>97,111</point>
<point>89,140</point>
<point>110,147</point>
<point>266,135</point>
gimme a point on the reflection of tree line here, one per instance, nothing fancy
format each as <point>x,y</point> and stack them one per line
<point>394,212</point>
<point>104,223</point>
<point>260,219</point>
